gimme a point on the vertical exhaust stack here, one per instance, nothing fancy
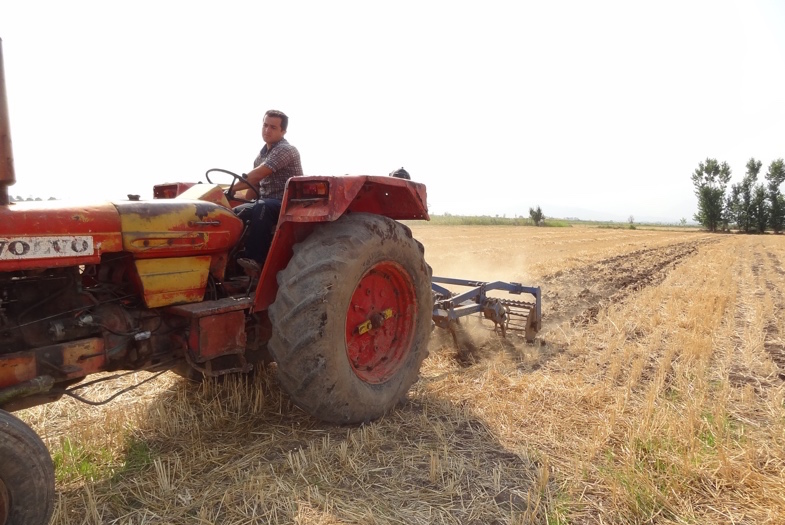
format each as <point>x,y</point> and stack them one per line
<point>7,177</point>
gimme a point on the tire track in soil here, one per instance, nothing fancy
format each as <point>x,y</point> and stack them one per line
<point>773,341</point>
<point>579,294</point>
<point>738,375</point>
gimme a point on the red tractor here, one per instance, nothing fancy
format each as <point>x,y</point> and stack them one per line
<point>343,303</point>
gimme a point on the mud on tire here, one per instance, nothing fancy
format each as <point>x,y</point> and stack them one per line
<point>352,318</point>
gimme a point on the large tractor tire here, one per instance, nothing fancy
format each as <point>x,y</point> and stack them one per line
<point>352,318</point>
<point>27,476</point>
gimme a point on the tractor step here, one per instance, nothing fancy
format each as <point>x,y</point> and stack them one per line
<point>216,338</point>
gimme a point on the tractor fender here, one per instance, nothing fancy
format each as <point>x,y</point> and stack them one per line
<point>399,199</point>
<point>309,201</point>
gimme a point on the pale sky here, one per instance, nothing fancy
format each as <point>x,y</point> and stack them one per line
<point>597,109</point>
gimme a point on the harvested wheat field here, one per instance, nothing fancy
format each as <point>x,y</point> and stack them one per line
<point>654,394</point>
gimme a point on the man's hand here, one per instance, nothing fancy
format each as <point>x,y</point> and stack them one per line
<point>252,179</point>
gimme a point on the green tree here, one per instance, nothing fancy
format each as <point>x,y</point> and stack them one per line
<point>739,207</point>
<point>748,214</point>
<point>733,206</point>
<point>536,215</point>
<point>710,179</point>
<point>778,220</point>
<point>775,178</point>
<point>759,209</point>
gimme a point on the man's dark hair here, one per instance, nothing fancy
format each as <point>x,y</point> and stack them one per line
<point>281,115</point>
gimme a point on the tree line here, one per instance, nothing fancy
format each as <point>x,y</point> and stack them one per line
<point>750,206</point>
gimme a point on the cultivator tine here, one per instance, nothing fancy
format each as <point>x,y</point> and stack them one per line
<point>506,314</point>
<point>521,317</point>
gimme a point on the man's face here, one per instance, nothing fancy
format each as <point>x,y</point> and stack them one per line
<point>271,130</point>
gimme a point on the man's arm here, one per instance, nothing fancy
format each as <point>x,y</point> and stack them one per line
<point>253,178</point>
<point>278,158</point>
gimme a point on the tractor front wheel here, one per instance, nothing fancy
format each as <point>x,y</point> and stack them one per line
<point>352,318</point>
<point>27,476</point>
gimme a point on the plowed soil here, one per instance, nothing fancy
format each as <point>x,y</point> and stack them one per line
<point>580,293</point>
<point>590,272</point>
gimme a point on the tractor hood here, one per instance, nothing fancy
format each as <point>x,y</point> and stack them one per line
<point>57,233</point>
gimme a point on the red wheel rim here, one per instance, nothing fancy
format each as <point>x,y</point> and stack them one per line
<point>380,322</point>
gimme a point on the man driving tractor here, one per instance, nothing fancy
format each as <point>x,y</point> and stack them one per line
<point>276,163</point>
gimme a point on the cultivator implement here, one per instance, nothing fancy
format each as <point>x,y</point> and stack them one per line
<point>506,314</point>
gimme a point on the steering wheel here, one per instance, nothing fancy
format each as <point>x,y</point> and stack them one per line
<point>229,192</point>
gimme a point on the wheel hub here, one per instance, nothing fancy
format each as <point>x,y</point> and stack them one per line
<point>380,322</point>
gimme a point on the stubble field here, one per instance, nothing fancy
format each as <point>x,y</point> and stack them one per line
<point>654,394</point>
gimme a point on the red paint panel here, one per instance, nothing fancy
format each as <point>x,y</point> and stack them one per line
<point>58,217</point>
<point>26,224</point>
<point>287,234</point>
<point>170,190</point>
<point>84,357</point>
<point>216,335</point>
<point>17,368</point>
<point>392,197</point>
<point>63,361</point>
<point>74,359</point>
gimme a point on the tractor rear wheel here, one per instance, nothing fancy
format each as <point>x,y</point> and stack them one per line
<point>27,476</point>
<point>352,318</point>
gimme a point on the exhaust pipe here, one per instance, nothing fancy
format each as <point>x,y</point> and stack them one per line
<point>7,177</point>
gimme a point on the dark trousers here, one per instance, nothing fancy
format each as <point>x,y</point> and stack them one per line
<point>262,217</point>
